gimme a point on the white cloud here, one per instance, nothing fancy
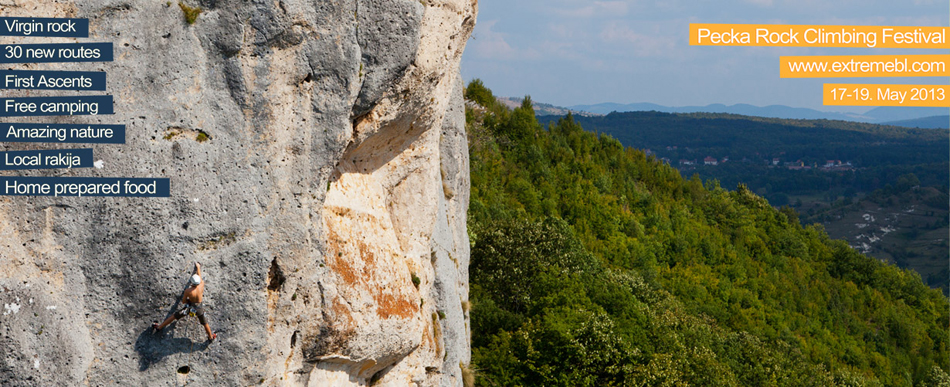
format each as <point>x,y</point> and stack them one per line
<point>489,44</point>
<point>611,8</point>
<point>641,44</point>
<point>596,9</point>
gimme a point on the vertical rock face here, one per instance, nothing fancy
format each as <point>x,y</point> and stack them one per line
<point>319,172</point>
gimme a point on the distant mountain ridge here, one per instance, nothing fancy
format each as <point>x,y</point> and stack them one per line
<point>544,109</point>
<point>933,122</point>
<point>900,116</point>
<point>909,117</point>
<point>771,111</point>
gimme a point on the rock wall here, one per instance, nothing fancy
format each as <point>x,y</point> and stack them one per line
<point>327,205</point>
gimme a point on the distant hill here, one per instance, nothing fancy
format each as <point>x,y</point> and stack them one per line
<point>934,122</point>
<point>910,117</point>
<point>877,115</point>
<point>894,113</point>
<point>697,135</point>
<point>544,109</point>
<point>772,111</point>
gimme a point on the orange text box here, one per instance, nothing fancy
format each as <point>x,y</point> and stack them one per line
<point>776,35</point>
<point>865,66</point>
<point>848,94</point>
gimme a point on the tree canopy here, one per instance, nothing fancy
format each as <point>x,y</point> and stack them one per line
<point>594,264</point>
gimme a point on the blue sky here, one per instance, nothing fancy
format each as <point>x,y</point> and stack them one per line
<point>570,52</point>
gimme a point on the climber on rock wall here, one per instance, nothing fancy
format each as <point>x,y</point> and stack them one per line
<point>192,304</point>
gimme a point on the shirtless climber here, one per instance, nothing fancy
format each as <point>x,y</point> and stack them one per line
<point>192,301</point>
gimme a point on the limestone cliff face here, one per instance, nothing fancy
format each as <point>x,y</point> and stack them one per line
<point>327,206</point>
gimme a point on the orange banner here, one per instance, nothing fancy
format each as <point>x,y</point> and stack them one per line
<point>847,94</point>
<point>865,66</point>
<point>775,35</point>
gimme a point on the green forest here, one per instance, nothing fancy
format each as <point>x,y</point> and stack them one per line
<point>895,175</point>
<point>594,264</point>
